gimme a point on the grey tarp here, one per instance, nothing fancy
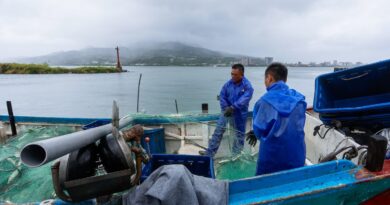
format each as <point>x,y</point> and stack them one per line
<point>174,184</point>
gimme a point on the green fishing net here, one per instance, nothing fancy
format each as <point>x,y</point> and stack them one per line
<point>238,167</point>
<point>19,183</point>
<point>227,165</point>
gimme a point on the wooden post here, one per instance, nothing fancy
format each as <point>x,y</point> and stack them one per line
<point>139,85</point>
<point>3,134</point>
<point>177,109</point>
<point>11,118</point>
<point>205,108</point>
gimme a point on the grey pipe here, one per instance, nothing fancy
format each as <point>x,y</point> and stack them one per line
<point>39,153</point>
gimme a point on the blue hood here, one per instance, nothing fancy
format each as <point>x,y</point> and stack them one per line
<point>283,99</point>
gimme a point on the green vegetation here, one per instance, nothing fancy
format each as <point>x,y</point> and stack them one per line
<point>16,68</point>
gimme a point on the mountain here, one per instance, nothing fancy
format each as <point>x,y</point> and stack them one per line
<point>159,54</point>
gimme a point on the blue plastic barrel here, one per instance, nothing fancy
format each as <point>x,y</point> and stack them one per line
<point>157,140</point>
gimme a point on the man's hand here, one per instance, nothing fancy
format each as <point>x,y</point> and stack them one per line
<point>135,133</point>
<point>228,112</point>
<point>251,138</point>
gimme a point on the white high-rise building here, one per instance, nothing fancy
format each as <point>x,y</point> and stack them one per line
<point>268,60</point>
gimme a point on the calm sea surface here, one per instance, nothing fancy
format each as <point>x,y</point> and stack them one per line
<point>91,95</point>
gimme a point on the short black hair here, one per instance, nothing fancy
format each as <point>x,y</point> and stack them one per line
<point>278,71</point>
<point>238,66</point>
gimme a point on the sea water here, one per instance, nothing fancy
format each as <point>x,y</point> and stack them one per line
<point>91,95</point>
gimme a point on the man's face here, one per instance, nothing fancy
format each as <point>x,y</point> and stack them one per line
<point>268,80</point>
<point>237,75</point>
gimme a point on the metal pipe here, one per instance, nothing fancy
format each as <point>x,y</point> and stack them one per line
<point>39,153</point>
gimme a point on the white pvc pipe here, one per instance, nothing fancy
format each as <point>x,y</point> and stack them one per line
<point>39,153</point>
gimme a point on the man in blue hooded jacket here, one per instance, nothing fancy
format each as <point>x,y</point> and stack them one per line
<point>278,122</point>
<point>234,101</point>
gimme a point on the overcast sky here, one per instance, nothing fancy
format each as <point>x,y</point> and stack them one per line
<point>290,31</point>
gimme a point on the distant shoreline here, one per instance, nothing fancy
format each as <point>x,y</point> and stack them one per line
<point>215,66</point>
<point>16,68</point>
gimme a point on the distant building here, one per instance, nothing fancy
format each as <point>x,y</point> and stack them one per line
<point>335,63</point>
<point>346,64</point>
<point>325,64</point>
<point>268,60</point>
<point>245,61</point>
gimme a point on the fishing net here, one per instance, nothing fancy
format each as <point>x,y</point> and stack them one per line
<point>18,183</point>
<point>233,165</point>
<point>228,165</point>
<point>237,168</point>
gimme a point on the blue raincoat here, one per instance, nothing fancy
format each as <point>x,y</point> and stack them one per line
<point>237,96</point>
<point>278,122</point>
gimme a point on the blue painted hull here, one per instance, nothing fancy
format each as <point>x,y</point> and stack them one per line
<point>337,182</point>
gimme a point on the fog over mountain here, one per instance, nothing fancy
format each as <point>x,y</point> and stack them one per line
<point>167,53</point>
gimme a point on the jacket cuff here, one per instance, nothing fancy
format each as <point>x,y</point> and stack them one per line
<point>235,106</point>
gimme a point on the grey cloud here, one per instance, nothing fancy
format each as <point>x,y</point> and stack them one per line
<point>302,30</point>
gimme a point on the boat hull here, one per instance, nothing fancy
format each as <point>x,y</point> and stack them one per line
<point>351,185</point>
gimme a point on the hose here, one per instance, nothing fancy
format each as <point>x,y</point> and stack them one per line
<point>332,156</point>
<point>341,141</point>
<point>317,130</point>
<point>362,158</point>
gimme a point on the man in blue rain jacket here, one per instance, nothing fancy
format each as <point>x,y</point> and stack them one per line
<point>234,100</point>
<point>278,122</point>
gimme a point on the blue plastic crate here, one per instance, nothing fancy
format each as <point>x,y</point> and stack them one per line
<point>96,123</point>
<point>198,165</point>
<point>157,140</point>
<point>356,97</point>
<point>361,90</point>
<point>374,122</point>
